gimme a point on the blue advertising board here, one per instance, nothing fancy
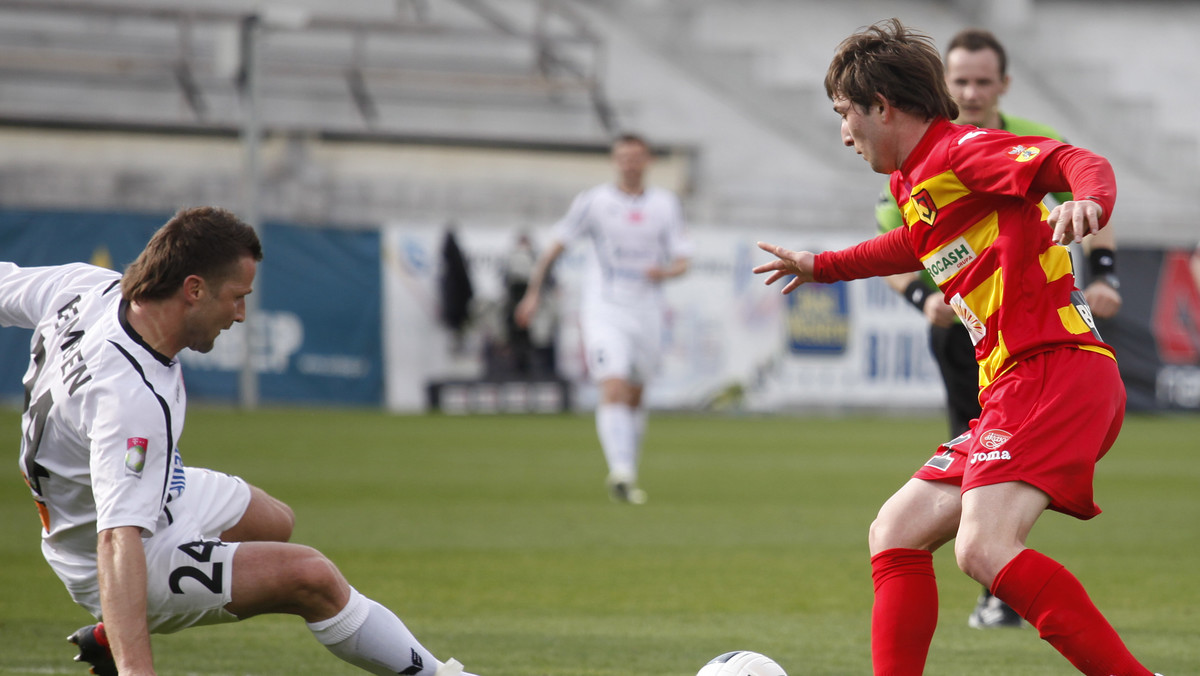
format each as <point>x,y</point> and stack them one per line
<point>818,319</point>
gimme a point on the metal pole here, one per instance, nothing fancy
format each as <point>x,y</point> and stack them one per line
<point>251,31</point>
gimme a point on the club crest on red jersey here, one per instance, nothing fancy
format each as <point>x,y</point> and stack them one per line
<point>924,206</point>
<point>993,439</point>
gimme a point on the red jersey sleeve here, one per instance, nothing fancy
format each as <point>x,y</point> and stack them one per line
<point>997,162</point>
<point>1084,173</point>
<point>887,254</point>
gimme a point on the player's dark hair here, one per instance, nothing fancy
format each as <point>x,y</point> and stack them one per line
<point>978,39</point>
<point>894,61</point>
<point>628,137</point>
<point>204,241</point>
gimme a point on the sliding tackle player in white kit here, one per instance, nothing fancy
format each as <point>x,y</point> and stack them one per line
<point>143,542</point>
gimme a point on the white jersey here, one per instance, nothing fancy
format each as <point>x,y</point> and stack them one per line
<point>630,234</point>
<point>103,413</point>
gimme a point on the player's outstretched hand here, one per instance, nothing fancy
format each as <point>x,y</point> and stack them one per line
<point>1072,221</point>
<point>788,262</point>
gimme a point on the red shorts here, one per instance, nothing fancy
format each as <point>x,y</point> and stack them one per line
<point>1046,422</point>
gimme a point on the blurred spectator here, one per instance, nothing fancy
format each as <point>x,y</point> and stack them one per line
<point>518,267</point>
<point>455,287</point>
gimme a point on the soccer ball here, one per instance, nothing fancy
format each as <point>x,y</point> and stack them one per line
<point>741,663</point>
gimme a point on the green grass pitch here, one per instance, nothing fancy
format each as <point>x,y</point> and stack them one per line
<point>493,538</point>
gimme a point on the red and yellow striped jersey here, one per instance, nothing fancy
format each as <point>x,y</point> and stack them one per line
<point>974,226</point>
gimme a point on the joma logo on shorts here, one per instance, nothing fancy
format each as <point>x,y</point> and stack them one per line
<point>990,455</point>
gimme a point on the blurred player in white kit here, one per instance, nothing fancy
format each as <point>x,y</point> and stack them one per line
<point>638,236</point>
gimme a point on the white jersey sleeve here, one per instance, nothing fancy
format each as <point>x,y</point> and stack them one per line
<point>676,243</point>
<point>29,294</point>
<point>576,223</point>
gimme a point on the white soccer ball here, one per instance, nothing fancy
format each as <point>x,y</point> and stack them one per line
<point>741,663</point>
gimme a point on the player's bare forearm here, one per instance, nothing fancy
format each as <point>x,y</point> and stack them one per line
<point>545,262</point>
<point>529,302</point>
<point>121,566</point>
<point>899,283</point>
<point>1104,239</point>
<point>675,268</point>
<point>930,303</point>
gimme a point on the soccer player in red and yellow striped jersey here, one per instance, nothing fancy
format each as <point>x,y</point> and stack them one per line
<point>1053,401</point>
<point>965,196</point>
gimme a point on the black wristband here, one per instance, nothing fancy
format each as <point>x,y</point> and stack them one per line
<point>1102,262</point>
<point>916,293</point>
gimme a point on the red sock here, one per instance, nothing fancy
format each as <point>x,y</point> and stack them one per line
<point>905,612</point>
<point>1044,592</point>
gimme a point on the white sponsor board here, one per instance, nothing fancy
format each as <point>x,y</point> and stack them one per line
<point>732,343</point>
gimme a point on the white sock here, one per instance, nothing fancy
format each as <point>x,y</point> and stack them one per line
<point>640,420</point>
<point>618,439</point>
<point>373,639</point>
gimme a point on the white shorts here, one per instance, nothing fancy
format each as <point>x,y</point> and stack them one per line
<point>623,345</point>
<point>189,570</point>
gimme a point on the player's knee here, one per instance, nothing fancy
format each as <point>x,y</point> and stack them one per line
<point>882,535</point>
<point>316,585</point>
<point>975,559</point>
